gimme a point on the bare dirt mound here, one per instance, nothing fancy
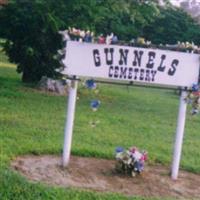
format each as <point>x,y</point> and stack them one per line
<point>99,175</point>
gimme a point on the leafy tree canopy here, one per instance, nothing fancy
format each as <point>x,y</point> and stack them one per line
<point>172,25</point>
<point>31,27</point>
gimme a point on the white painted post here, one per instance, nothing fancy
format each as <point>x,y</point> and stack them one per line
<point>179,136</point>
<point>69,122</point>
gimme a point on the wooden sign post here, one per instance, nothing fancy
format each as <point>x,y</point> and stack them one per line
<point>149,67</point>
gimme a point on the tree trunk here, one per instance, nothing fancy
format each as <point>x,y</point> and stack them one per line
<point>27,76</point>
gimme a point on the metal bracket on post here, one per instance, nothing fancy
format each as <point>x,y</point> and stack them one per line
<point>69,122</point>
<point>179,135</point>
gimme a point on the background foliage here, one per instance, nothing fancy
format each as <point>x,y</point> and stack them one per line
<point>172,25</point>
<point>31,27</point>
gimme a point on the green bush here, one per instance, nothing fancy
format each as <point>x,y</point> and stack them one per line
<point>173,25</point>
<point>31,29</point>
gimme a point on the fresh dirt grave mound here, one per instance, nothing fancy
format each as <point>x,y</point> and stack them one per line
<point>99,175</point>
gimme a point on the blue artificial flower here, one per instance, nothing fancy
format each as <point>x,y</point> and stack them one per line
<point>114,40</point>
<point>90,84</point>
<point>138,166</point>
<point>88,38</point>
<point>95,104</point>
<point>195,87</point>
<point>119,149</point>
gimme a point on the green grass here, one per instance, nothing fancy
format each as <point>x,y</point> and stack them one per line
<point>32,122</point>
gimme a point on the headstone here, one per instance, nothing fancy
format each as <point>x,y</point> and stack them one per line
<point>55,86</point>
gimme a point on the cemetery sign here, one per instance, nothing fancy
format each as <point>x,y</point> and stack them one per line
<point>141,65</point>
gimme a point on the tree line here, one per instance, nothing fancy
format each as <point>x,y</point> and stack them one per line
<point>31,27</point>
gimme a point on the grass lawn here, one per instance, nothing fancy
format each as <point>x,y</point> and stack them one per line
<point>32,122</point>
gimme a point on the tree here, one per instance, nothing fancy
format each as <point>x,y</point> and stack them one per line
<point>31,29</point>
<point>172,25</point>
<point>126,18</point>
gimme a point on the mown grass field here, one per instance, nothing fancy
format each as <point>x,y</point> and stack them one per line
<point>32,122</point>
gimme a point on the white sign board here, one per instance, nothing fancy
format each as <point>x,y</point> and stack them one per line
<point>151,66</point>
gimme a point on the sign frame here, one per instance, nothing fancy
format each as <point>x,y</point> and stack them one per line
<point>131,64</point>
<point>71,114</point>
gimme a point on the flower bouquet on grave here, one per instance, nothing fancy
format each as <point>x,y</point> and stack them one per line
<point>130,161</point>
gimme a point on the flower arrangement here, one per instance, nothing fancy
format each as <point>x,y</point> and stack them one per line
<point>193,98</point>
<point>130,161</point>
<point>80,35</point>
<point>89,36</point>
